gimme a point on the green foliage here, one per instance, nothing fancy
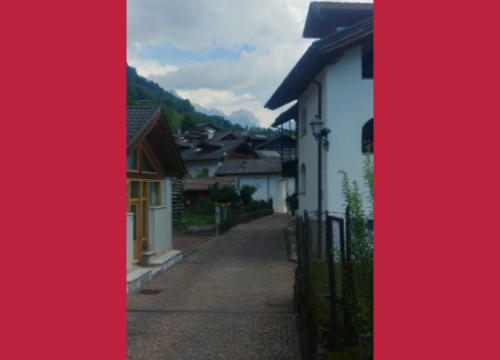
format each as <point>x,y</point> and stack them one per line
<point>258,205</point>
<point>292,202</point>
<point>192,219</point>
<point>188,124</point>
<point>362,244</point>
<point>223,194</point>
<point>205,207</point>
<point>139,89</point>
<point>246,193</point>
<point>263,131</point>
<point>201,173</point>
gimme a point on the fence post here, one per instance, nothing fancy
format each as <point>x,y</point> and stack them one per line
<point>298,240</point>
<point>350,330</point>
<point>331,278</point>
<point>305,241</point>
<point>217,220</point>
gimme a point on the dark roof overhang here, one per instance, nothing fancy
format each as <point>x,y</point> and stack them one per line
<point>320,53</point>
<point>291,114</point>
<point>323,18</point>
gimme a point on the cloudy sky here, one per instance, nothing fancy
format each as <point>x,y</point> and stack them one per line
<point>223,54</point>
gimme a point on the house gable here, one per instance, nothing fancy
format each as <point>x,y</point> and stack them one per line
<point>323,52</point>
<point>147,129</point>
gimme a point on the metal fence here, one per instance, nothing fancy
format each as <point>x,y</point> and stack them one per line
<point>335,267</point>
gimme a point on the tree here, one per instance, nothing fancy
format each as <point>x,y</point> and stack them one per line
<point>188,124</point>
<point>246,193</point>
<point>224,194</point>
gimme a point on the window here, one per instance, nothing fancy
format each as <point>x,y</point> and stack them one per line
<point>367,61</point>
<point>302,179</point>
<point>132,161</point>
<point>154,193</point>
<point>134,190</point>
<point>140,161</point>
<point>146,164</point>
<point>303,122</point>
<point>257,183</point>
<point>367,137</point>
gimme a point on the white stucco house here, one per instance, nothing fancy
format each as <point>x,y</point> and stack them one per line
<point>153,159</point>
<point>334,81</point>
<point>265,175</point>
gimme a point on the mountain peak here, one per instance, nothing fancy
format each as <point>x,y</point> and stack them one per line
<point>241,117</point>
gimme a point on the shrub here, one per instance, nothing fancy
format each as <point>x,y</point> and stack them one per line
<point>246,193</point>
<point>205,207</point>
<point>292,202</point>
<point>362,243</point>
<point>258,205</point>
<point>224,194</point>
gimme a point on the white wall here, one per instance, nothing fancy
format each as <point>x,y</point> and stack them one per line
<point>308,146</point>
<point>272,186</point>
<point>347,106</point>
<point>283,187</point>
<point>160,221</point>
<point>130,241</point>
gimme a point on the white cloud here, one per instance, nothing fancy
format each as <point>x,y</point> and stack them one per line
<point>229,102</point>
<point>223,23</point>
<point>272,28</point>
<point>153,67</point>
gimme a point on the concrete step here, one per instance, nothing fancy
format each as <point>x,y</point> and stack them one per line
<point>137,278</point>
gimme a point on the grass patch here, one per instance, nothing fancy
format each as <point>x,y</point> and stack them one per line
<point>318,276</point>
<point>199,219</point>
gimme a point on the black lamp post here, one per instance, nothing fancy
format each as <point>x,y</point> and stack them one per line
<point>321,135</point>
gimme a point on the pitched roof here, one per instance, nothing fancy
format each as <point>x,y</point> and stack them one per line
<point>276,143</point>
<point>266,154</point>
<point>204,125</point>
<point>220,136</point>
<point>332,5</point>
<point>138,119</point>
<point>320,53</point>
<point>150,123</point>
<point>324,17</point>
<point>291,114</point>
<point>250,166</point>
<point>202,184</point>
<point>219,149</point>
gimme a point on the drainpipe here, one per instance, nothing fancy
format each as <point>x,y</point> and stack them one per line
<point>281,152</point>
<point>320,170</point>
<point>320,153</point>
<point>320,173</point>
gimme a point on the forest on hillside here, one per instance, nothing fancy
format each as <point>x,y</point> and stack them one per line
<point>180,113</point>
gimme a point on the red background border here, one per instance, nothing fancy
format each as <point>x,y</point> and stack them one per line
<point>63,184</point>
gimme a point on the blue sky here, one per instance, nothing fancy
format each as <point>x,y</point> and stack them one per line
<point>168,53</point>
<point>225,54</point>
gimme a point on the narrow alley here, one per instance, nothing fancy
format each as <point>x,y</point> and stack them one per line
<point>232,299</point>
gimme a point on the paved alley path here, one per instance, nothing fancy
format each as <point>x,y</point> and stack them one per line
<point>231,300</point>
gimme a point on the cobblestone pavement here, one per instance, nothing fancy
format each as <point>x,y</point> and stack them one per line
<point>230,300</point>
<point>189,243</point>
